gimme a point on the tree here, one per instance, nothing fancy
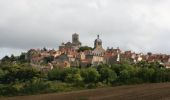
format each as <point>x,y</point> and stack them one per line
<point>107,75</point>
<point>73,78</point>
<point>124,76</point>
<point>35,85</point>
<point>22,58</point>
<point>5,59</point>
<point>90,75</point>
<point>161,75</point>
<point>17,73</point>
<point>2,74</point>
<point>54,74</point>
<point>117,68</point>
<point>13,58</point>
<point>146,74</point>
<point>72,75</point>
<point>81,49</point>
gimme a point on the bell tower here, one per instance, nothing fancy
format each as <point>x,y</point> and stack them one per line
<point>98,42</point>
<point>75,41</point>
<point>75,38</point>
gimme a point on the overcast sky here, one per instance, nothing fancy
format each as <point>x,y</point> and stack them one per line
<point>137,25</point>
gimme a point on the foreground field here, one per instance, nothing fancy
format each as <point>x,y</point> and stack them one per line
<point>160,91</point>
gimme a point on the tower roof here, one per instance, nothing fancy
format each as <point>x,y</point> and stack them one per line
<point>98,39</point>
<point>75,34</point>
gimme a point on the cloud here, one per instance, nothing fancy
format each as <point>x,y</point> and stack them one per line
<point>138,25</point>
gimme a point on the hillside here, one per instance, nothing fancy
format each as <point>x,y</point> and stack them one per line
<point>157,91</point>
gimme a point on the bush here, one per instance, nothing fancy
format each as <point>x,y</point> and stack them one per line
<point>11,89</point>
<point>56,86</point>
<point>146,74</point>
<point>55,74</point>
<point>90,75</point>
<point>21,78</point>
<point>107,75</point>
<point>73,75</point>
<point>18,73</point>
<point>36,85</point>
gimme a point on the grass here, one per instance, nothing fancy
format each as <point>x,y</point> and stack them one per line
<point>156,91</point>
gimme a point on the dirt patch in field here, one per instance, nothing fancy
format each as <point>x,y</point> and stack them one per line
<point>159,91</point>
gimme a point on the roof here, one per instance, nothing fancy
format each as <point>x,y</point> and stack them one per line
<point>98,39</point>
<point>98,51</point>
<point>75,34</point>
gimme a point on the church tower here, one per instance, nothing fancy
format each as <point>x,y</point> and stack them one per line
<point>98,42</point>
<point>98,49</point>
<point>75,41</point>
<point>75,38</point>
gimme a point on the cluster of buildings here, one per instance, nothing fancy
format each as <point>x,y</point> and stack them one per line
<point>69,55</point>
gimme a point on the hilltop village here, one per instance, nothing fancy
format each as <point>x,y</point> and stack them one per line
<point>71,54</point>
<point>76,67</point>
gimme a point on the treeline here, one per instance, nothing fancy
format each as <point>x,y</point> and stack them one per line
<point>117,74</point>
<point>22,79</point>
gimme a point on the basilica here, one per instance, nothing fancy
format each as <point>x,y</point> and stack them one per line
<point>88,57</point>
<point>75,44</point>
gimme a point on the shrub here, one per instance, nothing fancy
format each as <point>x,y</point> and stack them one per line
<point>36,85</point>
<point>55,74</point>
<point>90,75</point>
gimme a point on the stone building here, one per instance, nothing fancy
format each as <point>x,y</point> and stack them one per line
<point>96,56</point>
<point>75,45</point>
<point>112,55</point>
<point>98,49</point>
<point>69,56</point>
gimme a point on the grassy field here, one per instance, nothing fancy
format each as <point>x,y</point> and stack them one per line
<point>159,91</point>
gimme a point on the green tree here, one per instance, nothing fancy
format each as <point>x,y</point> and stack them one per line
<point>55,74</point>
<point>146,74</point>
<point>35,85</point>
<point>90,75</point>
<point>124,76</point>
<point>72,75</point>
<point>107,75</point>
<point>18,73</point>
<point>73,78</point>
<point>2,74</point>
<point>161,75</point>
<point>81,49</point>
<point>22,58</point>
<point>6,59</point>
<point>13,58</point>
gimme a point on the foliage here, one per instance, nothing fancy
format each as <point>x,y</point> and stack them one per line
<point>18,73</point>
<point>81,49</point>
<point>107,75</point>
<point>54,74</point>
<point>21,78</point>
<point>36,85</point>
<point>22,58</point>
<point>90,75</point>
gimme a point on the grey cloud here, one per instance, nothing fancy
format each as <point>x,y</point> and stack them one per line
<point>138,25</point>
